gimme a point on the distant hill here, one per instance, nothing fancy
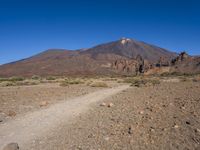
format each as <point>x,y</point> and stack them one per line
<point>95,60</point>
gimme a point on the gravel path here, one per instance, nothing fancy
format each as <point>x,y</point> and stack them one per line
<point>25,129</point>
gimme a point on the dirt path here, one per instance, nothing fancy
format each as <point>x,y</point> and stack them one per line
<point>26,129</point>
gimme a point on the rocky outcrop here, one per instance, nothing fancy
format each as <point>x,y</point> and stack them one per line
<point>186,64</point>
<point>132,66</point>
<point>183,63</point>
<point>183,56</point>
<point>163,62</point>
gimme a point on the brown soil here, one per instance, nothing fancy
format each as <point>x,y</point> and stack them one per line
<point>23,99</point>
<point>165,116</point>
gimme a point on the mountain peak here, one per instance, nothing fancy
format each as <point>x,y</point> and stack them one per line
<point>125,40</point>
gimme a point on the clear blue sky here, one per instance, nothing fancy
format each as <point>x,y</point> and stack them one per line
<point>28,27</point>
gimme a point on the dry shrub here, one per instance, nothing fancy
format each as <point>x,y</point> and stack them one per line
<point>27,82</point>
<point>139,81</point>
<point>89,83</point>
<point>8,83</point>
<point>99,84</point>
<point>36,77</point>
<point>12,79</point>
<point>50,78</point>
<point>19,83</point>
<point>68,82</point>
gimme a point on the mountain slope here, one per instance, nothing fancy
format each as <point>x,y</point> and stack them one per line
<point>96,60</point>
<point>130,48</point>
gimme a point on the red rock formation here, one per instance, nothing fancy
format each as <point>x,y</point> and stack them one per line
<point>133,66</point>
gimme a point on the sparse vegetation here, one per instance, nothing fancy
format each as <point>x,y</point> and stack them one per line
<point>17,81</point>
<point>51,78</point>
<point>139,81</point>
<point>99,84</point>
<point>35,77</point>
<point>12,79</point>
<point>68,82</point>
<point>8,83</point>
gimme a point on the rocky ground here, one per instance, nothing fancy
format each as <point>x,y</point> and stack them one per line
<point>163,116</point>
<point>18,100</point>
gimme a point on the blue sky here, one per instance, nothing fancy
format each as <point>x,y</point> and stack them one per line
<point>28,27</point>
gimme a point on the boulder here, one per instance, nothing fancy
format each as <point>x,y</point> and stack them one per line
<point>11,146</point>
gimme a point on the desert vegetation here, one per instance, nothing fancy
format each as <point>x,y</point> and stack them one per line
<point>71,81</point>
<point>137,81</point>
<point>99,84</point>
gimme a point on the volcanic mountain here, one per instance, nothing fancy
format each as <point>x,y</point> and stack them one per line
<point>95,60</point>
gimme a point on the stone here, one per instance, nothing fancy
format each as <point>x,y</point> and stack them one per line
<point>152,129</point>
<point>11,146</point>
<point>130,130</point>
<point>141,112</point>
<point>106,138</point>
<point>110,105</point>
<point>183,107</point>
<point>103,104</point>
<point>197,130</point>
<point>187,122</point>
<point>176,126</point>
<point>43,103</point>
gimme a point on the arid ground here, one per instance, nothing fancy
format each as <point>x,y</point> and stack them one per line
<point>102,114</point>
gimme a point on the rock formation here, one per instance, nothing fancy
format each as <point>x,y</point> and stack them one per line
<point>132,66</point>
<point>183,56</point>
<point>183,63</point>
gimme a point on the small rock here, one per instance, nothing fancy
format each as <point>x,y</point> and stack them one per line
<point>3,117</point>
<point>183,107</point>
<point>152,141</point>
<point>11,146</point>
<point>187,122</point>
<point>197,130</point>
<point>110,105</point>
<point>103,104</point>
<point>43,103</point>
<point>12,113</point>
<point>130,130</point>
<point>176,126</point>
<point>90,136</point>
<point>107,138</point>
<point>79,148</point>
<point>152,129</point>
<point>141,112</point>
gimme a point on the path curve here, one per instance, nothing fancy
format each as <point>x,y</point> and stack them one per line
<point>33,125</point>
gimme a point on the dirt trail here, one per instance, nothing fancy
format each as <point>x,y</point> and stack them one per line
<point>26,129</point>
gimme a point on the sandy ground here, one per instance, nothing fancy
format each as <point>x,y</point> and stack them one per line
<point>164,116</point>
